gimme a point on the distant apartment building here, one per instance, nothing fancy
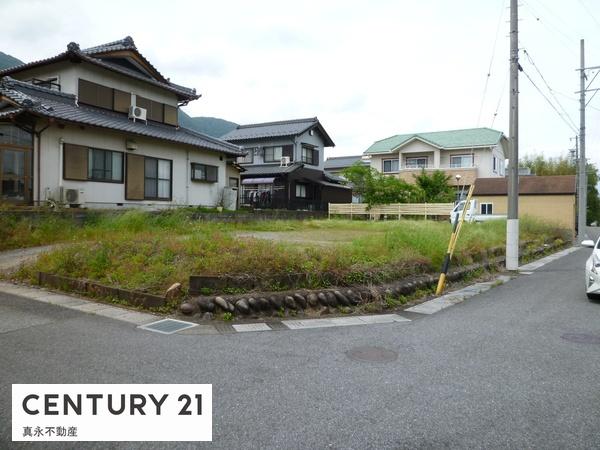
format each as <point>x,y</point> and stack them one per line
<point>464,155</point>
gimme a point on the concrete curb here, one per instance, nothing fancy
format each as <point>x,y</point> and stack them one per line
<point>78,304</point>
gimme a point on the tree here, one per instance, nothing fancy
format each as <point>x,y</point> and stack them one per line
<point>434,188</point>
<point>565,166</point>
<point>378,189</point>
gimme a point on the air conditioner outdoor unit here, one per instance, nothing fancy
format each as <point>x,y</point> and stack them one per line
<point>137,113</point>
<point>71,196</point>
<point>285,161</point>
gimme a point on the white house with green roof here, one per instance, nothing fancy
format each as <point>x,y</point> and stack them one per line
<point>471,153</point>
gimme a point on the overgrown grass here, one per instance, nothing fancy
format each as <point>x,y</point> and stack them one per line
<point>149,252</point>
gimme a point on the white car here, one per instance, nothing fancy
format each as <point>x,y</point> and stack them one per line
<point>592,269</point>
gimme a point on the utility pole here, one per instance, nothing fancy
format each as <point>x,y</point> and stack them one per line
<point>582,187</point>
<point>512,223</point>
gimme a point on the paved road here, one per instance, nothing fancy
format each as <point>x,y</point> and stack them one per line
<point>492,372</point>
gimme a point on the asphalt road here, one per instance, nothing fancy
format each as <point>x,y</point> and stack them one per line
<point>492,372</point>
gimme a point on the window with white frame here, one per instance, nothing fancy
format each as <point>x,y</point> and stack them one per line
<point>391,165</point>
<point>458,161</point>
<point>273,154</point>
<point>487,208</point>
<point>301,190</point>
<point>416,162</point>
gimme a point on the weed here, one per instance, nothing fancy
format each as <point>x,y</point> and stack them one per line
<point>227,316</point>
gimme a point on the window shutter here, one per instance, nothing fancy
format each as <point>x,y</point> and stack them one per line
<point>122,101</point>
<point>170,115</point>
<point>315,160</point>
<point>87,92</point>
<point>75,162</point>
<point>156,113</point>
<point>143,102</point>
<point>134,182</point>
<point>288,150</point>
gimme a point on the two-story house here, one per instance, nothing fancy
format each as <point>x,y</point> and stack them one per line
<point>284,166</point>
<point>464,155</point>
<point>99,127</point>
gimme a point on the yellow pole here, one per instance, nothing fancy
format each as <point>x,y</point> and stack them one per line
<point>452,243</point>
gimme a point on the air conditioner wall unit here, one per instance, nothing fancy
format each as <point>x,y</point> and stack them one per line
<point>137,113</point>
<point>70,196</point>
<point>285,161</point>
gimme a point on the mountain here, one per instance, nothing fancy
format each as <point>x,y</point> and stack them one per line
<point>208,125</point>
<point>7,61</point>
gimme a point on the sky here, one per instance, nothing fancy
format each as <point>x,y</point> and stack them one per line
<point>367,69</point>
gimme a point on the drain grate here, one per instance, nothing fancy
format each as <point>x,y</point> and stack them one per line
<point>372,354</point>
<point>168,326</point>
<point>581,338</point>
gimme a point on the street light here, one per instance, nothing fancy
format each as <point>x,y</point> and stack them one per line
<point>462,189</point>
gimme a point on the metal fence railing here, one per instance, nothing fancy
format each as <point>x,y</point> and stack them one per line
<point>392,209</point>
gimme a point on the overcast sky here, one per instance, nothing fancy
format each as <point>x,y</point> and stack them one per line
<point>368,69</point>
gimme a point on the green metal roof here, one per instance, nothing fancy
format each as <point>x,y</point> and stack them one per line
<point>472,137</point>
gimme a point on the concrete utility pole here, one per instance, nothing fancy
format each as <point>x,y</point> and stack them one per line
<point>582,186</point>
<point>512,224</point>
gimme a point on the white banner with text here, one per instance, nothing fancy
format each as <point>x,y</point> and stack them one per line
<point>112,412</point>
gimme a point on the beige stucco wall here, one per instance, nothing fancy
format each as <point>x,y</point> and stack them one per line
<point>97,194</point>
<point>440,159</point>
<point>556,209</point>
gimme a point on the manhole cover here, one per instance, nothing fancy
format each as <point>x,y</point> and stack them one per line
<point>581,338</point>
<point>167,326</point>
<point>372,354</point>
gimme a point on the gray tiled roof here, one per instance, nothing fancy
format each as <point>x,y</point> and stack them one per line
<point>270,169</point>
<point>122,44</point>
<point>276,129</point>
<point>40,101</point>
<point>74,53</point>
<point>341,162</point>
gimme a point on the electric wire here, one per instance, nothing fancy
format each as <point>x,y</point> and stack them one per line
<point>574,129</point>
<point>530,59</point>
<point>489,72</point>
<point>589,12</point>
<point>500,99</point>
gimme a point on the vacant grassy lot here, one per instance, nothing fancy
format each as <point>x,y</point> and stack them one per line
<point>149,252</point>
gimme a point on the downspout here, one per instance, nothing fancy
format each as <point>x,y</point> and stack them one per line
<point>187,177</point>
<point>61,146</point>
<point>38,134</point>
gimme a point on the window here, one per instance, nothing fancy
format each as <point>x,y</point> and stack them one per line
<point>157,179</point>
<point>170,115</point>
<point>310,155</point>
<point>273,154</point>
<point>419,162</point>
<point>234,182</point>
<point>457,161</point>
<point>487,208</point>
<point>494,164</point>
<point>95,94</point>
<point>391,165</point>
<point>105,165</point>
<point>249,158</point>
<point>301,190</point>
<point>204,172</point>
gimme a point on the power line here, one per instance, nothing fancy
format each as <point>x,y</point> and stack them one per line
<point>549,88</point>
<point>554,30</point>
<point>589,12</point>
<point>489,72</point>
<point>574,129</point>
<point>500,100</point>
